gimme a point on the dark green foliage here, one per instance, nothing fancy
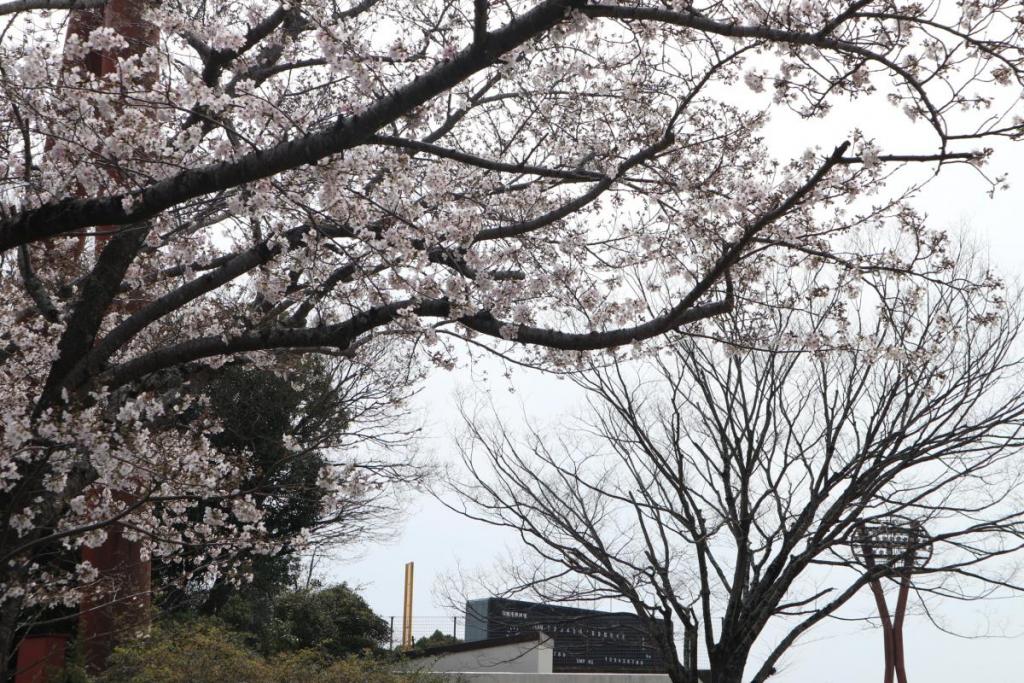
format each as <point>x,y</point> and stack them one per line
<point>436,639</point>
<point>204,651</point>
<point>279,430</point>
<point>260,414</point>
<point>336,621</point>
<point>296,635</point>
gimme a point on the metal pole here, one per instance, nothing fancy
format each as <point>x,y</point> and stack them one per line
<point>455,627</point>
<point>905,547</point>
<point>887,630</point>
<point>407,609</point>
<point>392,642</point>
<point>899,663</point>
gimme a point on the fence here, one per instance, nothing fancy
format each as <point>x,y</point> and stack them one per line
<point>450,629</point>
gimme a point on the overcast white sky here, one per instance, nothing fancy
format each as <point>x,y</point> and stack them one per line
<point>438,540</point>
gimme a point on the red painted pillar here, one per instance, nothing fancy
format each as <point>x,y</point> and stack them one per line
<point>118,606</point>
<point>887,629</point>
<point>40,658</point>
<point>899,661</point>
<point>125,17</point>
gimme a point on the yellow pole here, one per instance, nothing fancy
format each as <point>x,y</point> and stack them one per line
<point>407,609</point>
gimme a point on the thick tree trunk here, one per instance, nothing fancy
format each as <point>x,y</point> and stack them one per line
<point>730,673</point>
<point>680,674</point>
<point>728,664</point>
<point>10,608</point>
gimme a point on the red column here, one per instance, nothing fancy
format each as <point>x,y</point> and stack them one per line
<point>40,658</point>
<point>899,662</point>
<point>118,607</point>
<point>888,636</point>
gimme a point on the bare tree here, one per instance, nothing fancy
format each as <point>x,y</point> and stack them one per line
<point>727,484</point>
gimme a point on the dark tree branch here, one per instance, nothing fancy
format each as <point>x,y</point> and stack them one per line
<point>342,335</point>
<point>215,61</point>
<point>482,162</point>
<point>701,23</point>
<point>480,8</point>
<point>96,294</point>
<point>35,287</point>
<point>27,5</point>
<point>570,207</point>
<point>900,158</point>
<point>126,330</point>
<point>836,21</point>
<point>339,336</point>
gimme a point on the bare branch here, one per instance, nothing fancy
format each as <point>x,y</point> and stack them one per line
<point>28,5</point>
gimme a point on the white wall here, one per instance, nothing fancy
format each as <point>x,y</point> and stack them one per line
<point>555,678</point>
<point>530,657</point>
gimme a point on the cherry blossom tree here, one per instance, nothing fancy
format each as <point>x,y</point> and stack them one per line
<point>724,489</point>
<point>186,184</point>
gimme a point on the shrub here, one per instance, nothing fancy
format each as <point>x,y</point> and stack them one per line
<point>436,639</point>
<point>195,651</point>
<point>204,651</point>
<point>335,620</point>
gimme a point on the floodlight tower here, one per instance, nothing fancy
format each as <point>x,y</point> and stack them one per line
<point>898,547</point>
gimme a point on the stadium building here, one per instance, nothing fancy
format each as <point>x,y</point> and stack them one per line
<point>582,640</point>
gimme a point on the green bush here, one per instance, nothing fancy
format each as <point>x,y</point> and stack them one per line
<point>335,621</point>
<point>436,639</point>
<point>194,651</point>
<point>204,651</point>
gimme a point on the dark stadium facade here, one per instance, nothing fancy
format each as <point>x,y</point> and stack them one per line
<point>584,640</point>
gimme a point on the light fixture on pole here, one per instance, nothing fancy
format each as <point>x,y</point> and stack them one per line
<point>894,547</point>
